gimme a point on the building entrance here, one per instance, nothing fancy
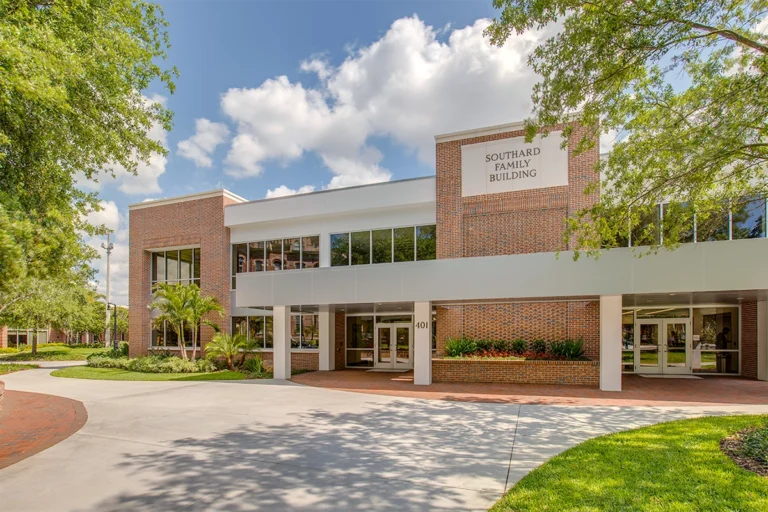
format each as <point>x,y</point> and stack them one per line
<point>663,346</point>
<point>393,346</point>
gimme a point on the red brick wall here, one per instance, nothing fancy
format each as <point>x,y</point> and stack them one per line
<point>198,222</point>
<point>749,339</point>
<point>518,222</point>
<point>585,373</point>
<point>299,360</point>
<point>549,321</point>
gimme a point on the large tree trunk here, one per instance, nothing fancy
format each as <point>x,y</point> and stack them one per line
<point>34,341</point>
<point>181,342</point>
<point>194,343</point>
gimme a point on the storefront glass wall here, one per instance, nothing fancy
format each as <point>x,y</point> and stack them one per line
<point>279,254</point>
<point>384,246</point>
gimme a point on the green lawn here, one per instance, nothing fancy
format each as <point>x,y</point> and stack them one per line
<point>55,353</point>
<point>85,372</point>
<point>675,466</point>
<point>13,367</point>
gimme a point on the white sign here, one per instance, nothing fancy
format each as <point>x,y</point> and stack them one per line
<point>512,164</point>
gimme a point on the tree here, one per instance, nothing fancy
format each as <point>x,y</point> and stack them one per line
<point>39,310</point>
<point>72,79</point>
<point>684,85</point>
<point>199,307</point>
<point>228,347</point>
<point>122,321</point>
<point>172,300</point>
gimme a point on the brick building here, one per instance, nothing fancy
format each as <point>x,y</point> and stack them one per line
<point>381,276</point>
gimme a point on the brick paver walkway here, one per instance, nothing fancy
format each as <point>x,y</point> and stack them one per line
<point>637,391</point>
<point>32,422</point>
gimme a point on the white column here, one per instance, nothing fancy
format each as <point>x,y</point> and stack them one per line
<point>422,343</point>
<point>327,338</point>
<point>610,342</point>
<point>762,340</point>
<point>281,325</point>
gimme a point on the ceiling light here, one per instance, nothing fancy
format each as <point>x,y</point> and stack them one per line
<point>671,294</point>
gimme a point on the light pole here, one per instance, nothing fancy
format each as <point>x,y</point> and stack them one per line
<point>114,319</point>
<point>108,247</point>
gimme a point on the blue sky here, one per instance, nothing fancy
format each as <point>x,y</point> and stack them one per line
<point>280,97</point>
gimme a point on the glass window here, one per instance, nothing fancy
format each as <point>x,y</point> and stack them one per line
<point>426,243</point>
<point>256,257</point>
<point>382,245</point>
<point>361,248</point>
<point>359,358</point>
<point>677,222</point>
<point>240,325</point>
<point>158,266</point>
<point>310,334</point>
<point>171,337</point>
<point>662,312</point>
<point>185,265</point>
<point>295,331</point>
<point>360,332</point>
<point>172,266</point>
<point>394,319</point>
<point>646,232</point>
<point>310,252</point>
<point>239,255</point>
<point>291,253</point>
<point>716,340</point>
<point>748,218</point>
<point>340,250</point>
<point>158,337</point>
<point>268,332</point>
<point>714,227</point>
<point>256,330</point>
<point>628,341</point>
<point>196,265</point>
<point>404,244</point>
<point>274,255</point>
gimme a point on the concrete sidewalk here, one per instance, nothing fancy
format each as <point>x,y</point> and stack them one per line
<point>263,445</point>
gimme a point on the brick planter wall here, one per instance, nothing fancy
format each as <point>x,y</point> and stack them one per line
<point>585,373</point>
<point>299,360</point>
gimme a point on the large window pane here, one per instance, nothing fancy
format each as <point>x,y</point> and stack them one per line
<point>714,227</point>
<point>256,257</point>
<point>295,331</point>
<point>291,253</point>
<point>646,232</point>
<point>275,255</point>
<point>171,337</point>
<point>382,245</point>
<point>158,337</point>
<point>716,328</point>
<point>361,248</point>
<point>426,243</point>
<point>239,325</point>
<point>239,258</point>
<point>360,358</point>
<point>677,222</point>
<point>749,219</point>
<point>340,250</point>
<point>268,332</point>
<point>185,264</point>
<point>171,266</point>
<point>310,334</point>
<point>256,330</point>
<point>310,252</point>
<point>158,266</point>
<point>196,265</point>
<point>404,244</point>
<point>360,332</point>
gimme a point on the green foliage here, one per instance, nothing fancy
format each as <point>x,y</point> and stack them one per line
<point>254,367</point>
<point>86,372</point>
<point>484,344</point>
<point>8,350</point>
<point>569,349</point>
<point>48,353</point>
<point>518,346</point>
<point>458,347</point>
<point>227,347</point>
<point>6,368</point>
<point>501,345</point>
<point>754,445</point>
<point>683,86</point>
<point>151,364</point>
<point>538,346</point>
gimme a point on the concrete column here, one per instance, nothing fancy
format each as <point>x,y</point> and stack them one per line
<point>327,338</point>
<point>762,340</point>
<point>422,343</point>
<point>281,325</point>
<point>610,342</point>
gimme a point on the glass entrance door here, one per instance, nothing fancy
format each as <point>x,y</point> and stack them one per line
<point>663,346</point>
<point>394,346</point>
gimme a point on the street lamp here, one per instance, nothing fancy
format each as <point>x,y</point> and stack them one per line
<point>114,321</point>
<point>108,246</point>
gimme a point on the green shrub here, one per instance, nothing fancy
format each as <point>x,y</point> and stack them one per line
<point>254,366</point>
<point>569,349</point>
<point>458,347</point>
<point>538,346</point>
<point>484,344</point>
<point>501,345</point>
<point>754,445</point>
<point>518,346</point>
<point>151,364</point>
<point>9,350</point>
<point>56,344</point>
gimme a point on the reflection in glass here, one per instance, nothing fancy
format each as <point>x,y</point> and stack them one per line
<point>649,345</point>
<point>172,266</point>
<point>382,245</point>
<point>239,258</point>
<point>268,332</point>
<point>361,248</point>
<point>426,243</point>
<point>360,332</point>
<point>158,266</point>
<point>359,358</point>
<point>185,264</point>
<point>158,337</point>
<point>404,244</point>
<point>706,361</point>
<point>274,255</point>
<point>310,335</point>
<point>171,337</point>
<point>714,227</point>
<point>676,344</point>
<point>628,341</point>
<point>295,331</point>
<point>716,328</point>
<point>384,354</point>
<point>256,330</point>
<point>340,249</point>
<point>292,253</point>
<point>749,219</point>
<point>310,252</point>
<point>403,344</point>
<point>663,312</point>
<point>256,257</point>
<point>196,265</point>
<point>240,325</point>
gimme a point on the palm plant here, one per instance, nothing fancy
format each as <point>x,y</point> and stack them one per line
<point>199,306</point>
<point>227,346</point>
<point>173,303</point>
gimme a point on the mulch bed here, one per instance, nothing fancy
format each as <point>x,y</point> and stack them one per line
<point>731,446</point>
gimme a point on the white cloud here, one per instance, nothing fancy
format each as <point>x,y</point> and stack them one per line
<point>607,140</point>
<point>113,219</point>
<point>201,145</point>
<point>408,86</point>
<point>283,191</point>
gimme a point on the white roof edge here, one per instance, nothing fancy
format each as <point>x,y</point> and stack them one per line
<point>187,197</point>
<point>490,130</point>
<point>329,190</point>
